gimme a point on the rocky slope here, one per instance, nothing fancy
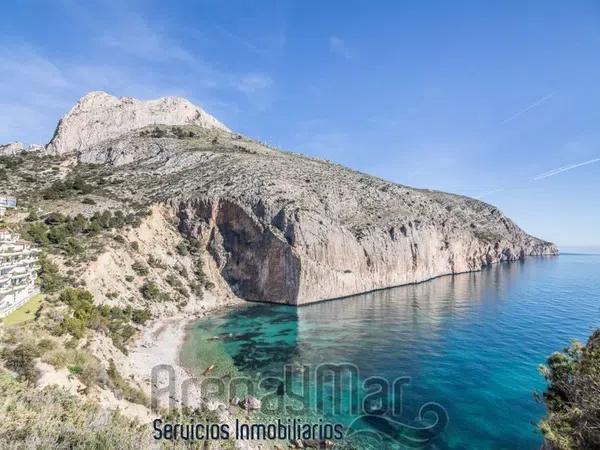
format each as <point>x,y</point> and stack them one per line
<point>285,228</point>
<point>99,116</point>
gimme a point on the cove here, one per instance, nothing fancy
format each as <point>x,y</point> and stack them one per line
<point>470,343</point>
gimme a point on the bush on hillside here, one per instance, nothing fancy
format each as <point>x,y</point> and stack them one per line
<point>56,419</point>
<point>573,396</point>
<point>21,360</point>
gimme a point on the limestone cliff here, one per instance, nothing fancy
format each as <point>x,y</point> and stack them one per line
<point>286,228</point>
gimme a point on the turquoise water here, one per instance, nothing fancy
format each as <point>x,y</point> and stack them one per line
<point>471,343</point>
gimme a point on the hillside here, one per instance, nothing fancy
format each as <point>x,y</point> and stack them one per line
<point>150,214</point>
<point>282,227</point>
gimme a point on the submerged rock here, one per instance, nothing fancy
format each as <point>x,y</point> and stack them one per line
<point>250,403</point>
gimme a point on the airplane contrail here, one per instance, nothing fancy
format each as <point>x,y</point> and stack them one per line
<point>553,172</point>
<point>530,107</point>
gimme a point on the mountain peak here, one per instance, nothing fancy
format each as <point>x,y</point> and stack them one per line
<point>98,116</point>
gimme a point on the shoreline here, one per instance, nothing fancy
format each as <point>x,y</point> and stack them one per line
<point>165,332</point>
<point>161,344</point>
<point>155,347</point>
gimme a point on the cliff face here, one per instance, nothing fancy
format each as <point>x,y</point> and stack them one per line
<point>285,228</point>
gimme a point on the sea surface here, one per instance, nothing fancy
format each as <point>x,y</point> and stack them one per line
<point>465,348</point>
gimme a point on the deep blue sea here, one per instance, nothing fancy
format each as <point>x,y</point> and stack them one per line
<point>470,343</point>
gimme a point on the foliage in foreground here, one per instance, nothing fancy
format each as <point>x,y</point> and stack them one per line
<point>51,418</point>
<point>573,396</point>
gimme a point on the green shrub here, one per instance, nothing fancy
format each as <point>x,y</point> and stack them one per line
<point>141,316</point>
<point>155,262</point>
<point>37,233</point>
<point>157,133</point>
<point>140,268</point>
<point>572,397</point>
<point>72,247</point>
<point>46,345</point>
<point>88,201</point>
<point>182,248</point>
<point>181,270</point>
<point>58,234</point>
<point>113,320</point>
<point>67,188</point>
<point>51,418</point>
<point>150,290</point>
<point>21,360</point>
<point>49,278</point>
<point>84,366</point>
<point>75,327</point>
<point>32,217</point>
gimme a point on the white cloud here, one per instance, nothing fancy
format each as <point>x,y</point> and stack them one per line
<point>253,82</point>
<point>338,47</point>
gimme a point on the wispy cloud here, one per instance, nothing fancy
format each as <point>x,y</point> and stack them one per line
<point>535,104</point>
<point>253,82</point>
<point>135,36</point>
<point>562,169</point>
<point>338,47</point>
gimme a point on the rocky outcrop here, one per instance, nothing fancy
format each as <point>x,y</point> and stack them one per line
<point>17,148</point>
<point>11,149</point>
<point>285,228</point>
<point>276,253</point>
<point>99,116</point>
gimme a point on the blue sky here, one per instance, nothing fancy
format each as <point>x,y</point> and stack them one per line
<point>498,100</point>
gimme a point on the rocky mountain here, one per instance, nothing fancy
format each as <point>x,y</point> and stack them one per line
<point>99,116</point>
<point>282,227</point>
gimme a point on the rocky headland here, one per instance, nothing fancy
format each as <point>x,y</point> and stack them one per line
<point>160,214</point>
<point>282,227</point>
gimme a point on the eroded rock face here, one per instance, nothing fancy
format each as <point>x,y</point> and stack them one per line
<point>295,257</point>
<point>99,116</point>
<point>285,228</point>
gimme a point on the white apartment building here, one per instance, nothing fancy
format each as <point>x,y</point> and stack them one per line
<point>17,271</point>
<point>7,202</point>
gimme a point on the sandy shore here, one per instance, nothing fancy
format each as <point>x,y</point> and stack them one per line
<point>158,349</point>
